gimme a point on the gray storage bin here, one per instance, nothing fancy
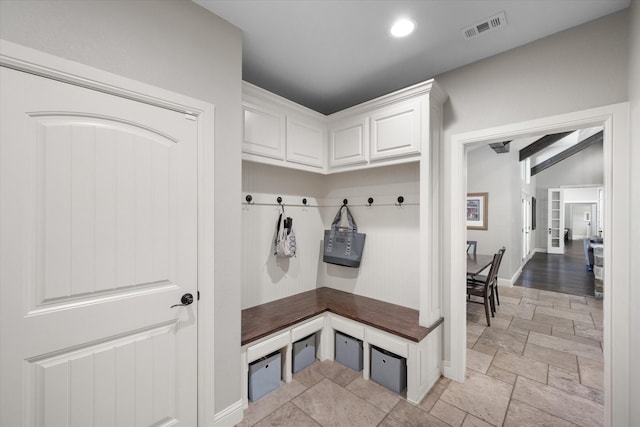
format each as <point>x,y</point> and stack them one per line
<point>349,351</point>
<point>264,376</point>
<point>304,353</point>
<point>388,369</point>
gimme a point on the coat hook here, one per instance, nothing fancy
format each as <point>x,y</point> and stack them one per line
<point>249,199</point>
<point>304,202</point>
<point>279,200</point>
<point>400,201</point>
<point>344,202</point>
<point>369,201</point>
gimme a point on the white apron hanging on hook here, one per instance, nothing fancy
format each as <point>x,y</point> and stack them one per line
<point>285,237</point>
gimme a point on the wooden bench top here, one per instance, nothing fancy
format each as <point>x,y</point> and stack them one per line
<point>265,319</point>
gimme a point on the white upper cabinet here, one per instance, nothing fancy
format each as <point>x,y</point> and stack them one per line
<point>349,142</point>
<point>282,133</point>
<point>391,129</point>
<point>306,142</point>
<point>396,130</point>
<point>263,131</point>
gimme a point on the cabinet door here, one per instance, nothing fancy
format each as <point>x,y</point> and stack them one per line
<point>555,221</point>
<point>263,132</point>
<point>349,142</point>
<point>395,130</point>
<point>305,142</point>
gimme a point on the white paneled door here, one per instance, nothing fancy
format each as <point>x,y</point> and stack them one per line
<point>98,217</point>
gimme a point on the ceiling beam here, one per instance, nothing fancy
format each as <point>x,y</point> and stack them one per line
<point>593,139</point>
<point>541,144</point>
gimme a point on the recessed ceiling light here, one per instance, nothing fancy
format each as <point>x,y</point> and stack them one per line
<point>402,27</point>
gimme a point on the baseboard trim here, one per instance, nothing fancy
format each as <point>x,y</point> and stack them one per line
<point>452,374</point>
<point>229,416</point>
<point>505,283</point>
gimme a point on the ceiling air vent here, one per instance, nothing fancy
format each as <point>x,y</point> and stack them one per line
<point>489,24</point>
<point>500,147</point>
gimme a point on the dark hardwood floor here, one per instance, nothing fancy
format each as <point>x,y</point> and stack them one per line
<point>559,273</point>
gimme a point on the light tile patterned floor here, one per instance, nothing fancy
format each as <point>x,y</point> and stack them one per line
<point>540,363</point>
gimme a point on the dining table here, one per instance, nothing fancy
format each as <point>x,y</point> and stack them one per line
<point>476,263</point>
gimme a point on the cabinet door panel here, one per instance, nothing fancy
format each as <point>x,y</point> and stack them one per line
<point>305,142</point>
<point>395,130</point>
<point>263,132</point>
<point>349,143</point>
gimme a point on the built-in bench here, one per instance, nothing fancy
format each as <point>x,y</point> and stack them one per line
<point>276,325</point>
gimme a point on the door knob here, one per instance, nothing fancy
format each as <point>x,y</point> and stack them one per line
<point>185,300</point>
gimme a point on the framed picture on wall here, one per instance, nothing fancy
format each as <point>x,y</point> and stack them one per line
<point>477,211</point>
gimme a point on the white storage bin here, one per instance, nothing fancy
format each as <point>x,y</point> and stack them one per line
<point>264,376</point>
<point>598,260</point>
<point>349,351</point>
<point>304,353</point>
<point>598,272</point>
<point>388,369</point>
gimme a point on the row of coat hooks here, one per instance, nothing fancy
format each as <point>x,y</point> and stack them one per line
<point>345,202</point>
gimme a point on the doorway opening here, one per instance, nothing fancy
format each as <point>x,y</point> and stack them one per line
<point>615,122</point>
<point>549,179</point>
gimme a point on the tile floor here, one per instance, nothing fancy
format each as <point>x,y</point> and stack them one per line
<point>540,363</point>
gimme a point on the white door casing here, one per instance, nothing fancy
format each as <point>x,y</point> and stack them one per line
<point>98,214</point>
<point>616,216</point>
<point>555,221</point>
<point>526,226</point>
<point>600,213</point>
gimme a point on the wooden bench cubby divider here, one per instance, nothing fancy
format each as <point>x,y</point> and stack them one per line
<point>278,324</point>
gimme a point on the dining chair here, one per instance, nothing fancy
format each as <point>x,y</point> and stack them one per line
<point>481,277</point>
<point>495,281</point>
<point>472,244</point>
<point>484,289</point>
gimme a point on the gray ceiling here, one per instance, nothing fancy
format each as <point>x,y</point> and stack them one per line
<point>332,54</point>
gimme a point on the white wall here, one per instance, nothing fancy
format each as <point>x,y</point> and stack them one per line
<point>499,175</point>
<point>178,46</point>
<point>581,194</point>
<point>634,301</point>
<point>554,75</point>
<point>579,227</point>
<point>390,266</point>
<point>583,168</point>
<point>264,276</point>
